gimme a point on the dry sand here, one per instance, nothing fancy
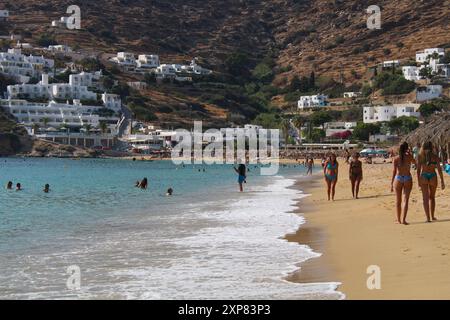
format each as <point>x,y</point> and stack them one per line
<point>354,234</point>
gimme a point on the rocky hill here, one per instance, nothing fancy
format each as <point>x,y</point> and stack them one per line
<point>328,37</point>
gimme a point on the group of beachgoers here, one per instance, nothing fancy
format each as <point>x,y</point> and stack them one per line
<point>9,186</point>
<point>423,158</point>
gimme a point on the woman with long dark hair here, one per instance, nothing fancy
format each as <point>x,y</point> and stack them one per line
<point>331,170</point>
<point>355,172</point>
<point>402,181</point>
<point>427,164</point>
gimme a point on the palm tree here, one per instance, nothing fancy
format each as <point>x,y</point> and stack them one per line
<point>298,122</point>
<point>45,122</point>
<point>87,127</point>
<point>285,127</point>
<point>35,127</point>
<point>103,126</point>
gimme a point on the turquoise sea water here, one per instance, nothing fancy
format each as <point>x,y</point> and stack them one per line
<point>207,240</point>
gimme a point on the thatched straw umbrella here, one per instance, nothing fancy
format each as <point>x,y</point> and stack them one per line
<point>437,130</point>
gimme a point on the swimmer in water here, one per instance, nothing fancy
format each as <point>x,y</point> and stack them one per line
<point>241,171</point>
<point>47,188</point>
<point>169,192</point>
<point>18,187</point>
<point>9,185</point>
<point>143,184</point>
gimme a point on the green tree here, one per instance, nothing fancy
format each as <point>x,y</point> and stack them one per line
<point>425,73</point>
<point>263,73</point>
<point>237,64</point>
<point>285,127</point>
<point>403,124</point>
<point>362,131</point>
<point>268,120</point>
<point>428,109</point>
<point>319,118</point>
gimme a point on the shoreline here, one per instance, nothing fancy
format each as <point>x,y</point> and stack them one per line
<point>352,235</point>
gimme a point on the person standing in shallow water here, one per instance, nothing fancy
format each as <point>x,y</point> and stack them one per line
<point>9,185</point>
<point>47,188</point>
<point>18,187</point>
<point>241,171</point>
<point>309,166</point>
<point>402,181</point>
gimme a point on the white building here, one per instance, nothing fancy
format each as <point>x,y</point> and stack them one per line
<point>60,48</point>
<point>352,94</point>
<point>62,22</point>
<point>429,92</point>
<point>411,73</point>
<point>192,68</point>
<point>138,85</point>
<point>4,15</point>
<point>81,79</point>
<point>53,114</point>
<point>315,101</point>
<point>112,101</point>
<point>125,59</point>
<point>147,61</point>
<point>375,114</point>
<point>22,67</point>
<point>23,45</point>
<point>424,55</point>
<point>44,90</point>
<point>165,71</point>
<point>391,64</point>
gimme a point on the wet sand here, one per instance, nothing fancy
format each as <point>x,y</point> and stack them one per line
<point>353,234</point>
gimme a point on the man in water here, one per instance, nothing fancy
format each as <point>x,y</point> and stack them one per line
<point>47,188</point>
<point>169,192</point>
<point>241,171</point>
<point>9,185</point>
<point>18,187</point>
<point>310,166</point>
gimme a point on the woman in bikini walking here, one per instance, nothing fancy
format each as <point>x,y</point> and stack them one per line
<point>356,174</point>
<point>330,169</point>
<point>402,181</point>
<point>427,164</point>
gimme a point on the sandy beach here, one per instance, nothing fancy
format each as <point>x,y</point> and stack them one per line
<point>353,234</point>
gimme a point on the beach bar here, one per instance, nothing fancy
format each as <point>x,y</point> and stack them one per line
<point>437,130</point>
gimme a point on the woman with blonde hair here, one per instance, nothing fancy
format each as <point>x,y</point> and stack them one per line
<point>402,181</point>
<point>427,164</point>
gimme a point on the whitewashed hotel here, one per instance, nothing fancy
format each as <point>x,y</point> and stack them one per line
<point>424,55</point>
<point>315,101</point>
<point>21,67</point>
<point>44,90</point>
<point>65,123</point>
<point>375,114</point>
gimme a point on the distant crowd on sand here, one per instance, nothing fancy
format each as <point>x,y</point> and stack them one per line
<point>424,159</point>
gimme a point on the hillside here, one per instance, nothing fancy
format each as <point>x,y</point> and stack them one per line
<point>327,37</point>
